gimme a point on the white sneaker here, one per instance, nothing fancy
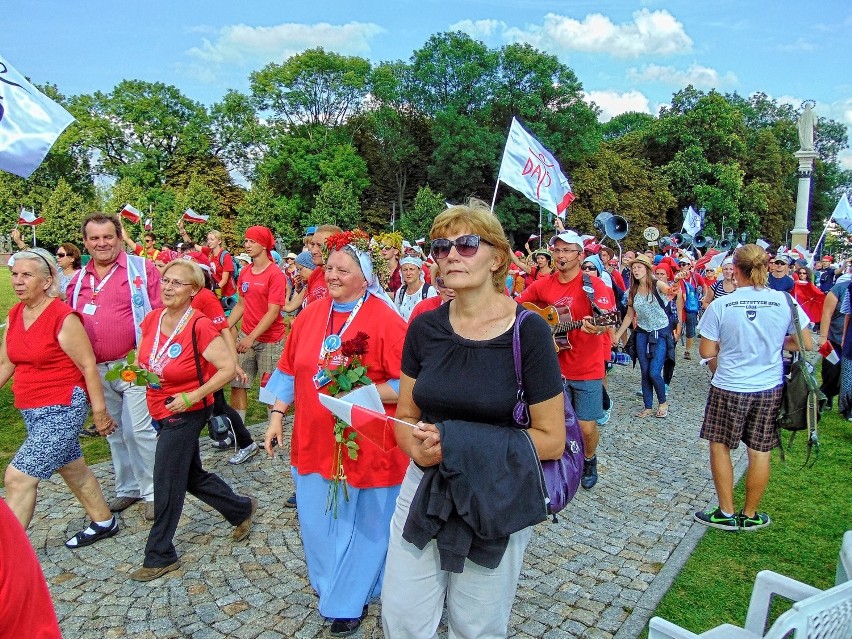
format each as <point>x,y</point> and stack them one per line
<point>245,454</point>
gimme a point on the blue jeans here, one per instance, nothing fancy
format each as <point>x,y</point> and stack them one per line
<point>651,360</point>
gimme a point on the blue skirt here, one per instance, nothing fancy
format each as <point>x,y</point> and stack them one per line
<point>345,556</point>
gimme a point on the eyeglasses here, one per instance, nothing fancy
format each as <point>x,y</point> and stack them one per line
<point>167,282</point>
<point>803,272</point>
<point>388,248</point>
<point>564,251</point>
<point>61,254</point>
<point>466,246</point>
<point>779,263</point>
<point>588,267</point>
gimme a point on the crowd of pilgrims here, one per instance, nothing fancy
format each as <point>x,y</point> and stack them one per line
<point>200,318</point>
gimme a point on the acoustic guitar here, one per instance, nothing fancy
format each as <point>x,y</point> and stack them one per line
<point>561,322</point>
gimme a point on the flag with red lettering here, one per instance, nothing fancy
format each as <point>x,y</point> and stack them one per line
<point>191,216</point>
<point>131,213</point>
<point>531,169</point>
<point>29,218</point>
<point>30,123</point>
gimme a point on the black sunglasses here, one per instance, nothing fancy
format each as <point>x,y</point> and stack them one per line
<point>466,246</point>
<point>779,262</point>
<point>61,254</point>
<point>588,267</point>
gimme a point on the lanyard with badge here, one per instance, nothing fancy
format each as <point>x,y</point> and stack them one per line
<point>160,357</point>
<point>332,342</point>
<point>91,307</point>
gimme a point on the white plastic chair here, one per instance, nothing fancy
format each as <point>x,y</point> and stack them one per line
<point>844,561</point>
<point>816,614</point>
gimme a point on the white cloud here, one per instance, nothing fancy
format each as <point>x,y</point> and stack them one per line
<point>799,45</point>
<point>650,33</point>
<point>699,76</point>
<point>613,103</point>
<point>479,29</point>
<point>241,44</point>
<point>845,159</point>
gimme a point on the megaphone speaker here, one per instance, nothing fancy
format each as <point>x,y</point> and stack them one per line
<point>616,227</point>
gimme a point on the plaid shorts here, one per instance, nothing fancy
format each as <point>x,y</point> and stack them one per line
<point>261,358</point>
<point>732,417</point>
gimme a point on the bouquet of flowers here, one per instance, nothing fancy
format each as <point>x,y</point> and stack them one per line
<point>129,371</point>
<point>361,241</point>
<point>348,374</point>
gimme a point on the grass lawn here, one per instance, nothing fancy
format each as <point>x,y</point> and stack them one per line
<point>95,449</point>
<point>811,508</point>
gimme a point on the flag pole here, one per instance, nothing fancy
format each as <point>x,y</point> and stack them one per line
<point>34,228</point>
<point>494,199</point>
<point>822,235</point>
<point>539,226</point>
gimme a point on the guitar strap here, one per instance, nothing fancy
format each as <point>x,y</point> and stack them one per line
<point>590,293</point>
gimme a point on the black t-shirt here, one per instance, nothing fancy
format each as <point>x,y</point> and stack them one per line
<point>458,378</point>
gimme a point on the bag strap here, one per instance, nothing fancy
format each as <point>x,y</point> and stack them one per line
<point>589,290</point>
<point>796,322</point>
<point>197,358</point>
<point>522,411</point>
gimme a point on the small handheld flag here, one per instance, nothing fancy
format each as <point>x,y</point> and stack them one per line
<point>131,213</point>
<point>29,218</point>
<point>196,218</point>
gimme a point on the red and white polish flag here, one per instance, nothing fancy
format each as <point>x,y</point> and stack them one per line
<point>131,213</point>
<point>29,218</point>
<point>196,218</point>
<point>375,426</point>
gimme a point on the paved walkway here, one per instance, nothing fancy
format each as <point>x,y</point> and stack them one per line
<point>598,573</point>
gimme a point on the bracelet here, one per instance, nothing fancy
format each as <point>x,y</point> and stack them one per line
<point>280,412</point>
<point>185,399</point>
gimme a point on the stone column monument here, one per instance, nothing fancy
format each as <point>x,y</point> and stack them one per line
<point>806,156</point>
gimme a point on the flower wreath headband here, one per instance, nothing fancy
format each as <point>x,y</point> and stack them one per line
<point>366,252</point>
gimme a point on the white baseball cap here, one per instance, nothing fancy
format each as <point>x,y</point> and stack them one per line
<point>569,237</point>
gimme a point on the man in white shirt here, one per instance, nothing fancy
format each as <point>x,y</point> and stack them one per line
<point>414,289</point>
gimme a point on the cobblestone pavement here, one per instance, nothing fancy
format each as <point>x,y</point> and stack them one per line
<point>598,573</point>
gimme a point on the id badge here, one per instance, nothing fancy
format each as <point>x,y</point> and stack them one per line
<point>89,309</point>
<point>321,379</point>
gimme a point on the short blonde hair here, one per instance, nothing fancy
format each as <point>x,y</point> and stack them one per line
<point>216,234</point>
<point>196,275</point>
<point>476,217</point>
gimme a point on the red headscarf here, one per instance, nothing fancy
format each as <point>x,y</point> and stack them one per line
<point>262,236</point>
<point>663,266</point>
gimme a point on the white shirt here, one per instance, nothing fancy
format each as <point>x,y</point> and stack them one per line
<point>406,303</point>
<point>750,326</point>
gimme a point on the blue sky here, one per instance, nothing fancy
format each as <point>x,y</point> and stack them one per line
<point>628,55</point>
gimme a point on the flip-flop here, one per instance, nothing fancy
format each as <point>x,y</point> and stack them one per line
<point>661,413</point>
<point>645,413</point>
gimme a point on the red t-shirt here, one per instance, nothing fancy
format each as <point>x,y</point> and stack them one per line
<point>222,263</point>
<point>585,360</point>
<point>313,425</point>
<point>26,609</point>
<point>179,373</point>
<point>44,374</point>
<point>423,306</point>
<point>208,304</point>
<point>148,254</point>
<point>317,289</point>
<point>258,291</point>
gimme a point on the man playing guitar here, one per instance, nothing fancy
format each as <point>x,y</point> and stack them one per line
<point>583,364</point>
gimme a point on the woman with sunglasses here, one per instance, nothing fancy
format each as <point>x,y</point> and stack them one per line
<point>460,426</point>
<point>70,262</point>
<point>345,546</point>
<point>192,360</point>
<point>808,295</point>
<point>725,286</point>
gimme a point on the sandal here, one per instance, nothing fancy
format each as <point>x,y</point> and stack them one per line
<point>662,413</point>
<point>92,534</point>
<point>645,413</point>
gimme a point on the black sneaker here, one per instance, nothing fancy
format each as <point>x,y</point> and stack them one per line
<point>715,518</point>
<point>590,472</point>
<point>224,444</point>
<point>760,520</point>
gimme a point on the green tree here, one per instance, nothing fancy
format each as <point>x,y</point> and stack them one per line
<point>417,221</point>
<point>238,137</point>
<point>337,204</point>
<point>281,214</point>
<point>63,215</point>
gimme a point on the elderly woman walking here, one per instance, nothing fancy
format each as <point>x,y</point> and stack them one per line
<point>345,545</point>
<point>55,379</point>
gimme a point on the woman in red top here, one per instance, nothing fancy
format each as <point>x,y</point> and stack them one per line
<point>808,295</point>
<point>345,555</point>
<point>47,350</point>
<point>180,346</point>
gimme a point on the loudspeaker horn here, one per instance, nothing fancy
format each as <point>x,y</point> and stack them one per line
<point>725,245</point>
<point>699,241</point>
<point>611,225</point>
<point>682,239</point>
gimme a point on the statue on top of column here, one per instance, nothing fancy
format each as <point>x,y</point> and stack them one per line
<point>806,125</point>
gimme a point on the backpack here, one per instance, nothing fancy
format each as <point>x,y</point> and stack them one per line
<point>690,298</point>
<point>236,274</point>
<point>400,293</point>
<point>802,401</point>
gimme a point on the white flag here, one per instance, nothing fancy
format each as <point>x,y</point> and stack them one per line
<point>692,221</point>
<point>762,244</point>
<point>843,213</point>
<point>30,122</point>
<point>531,169</point>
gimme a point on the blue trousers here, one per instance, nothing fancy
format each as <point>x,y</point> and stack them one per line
<point>651,360</point>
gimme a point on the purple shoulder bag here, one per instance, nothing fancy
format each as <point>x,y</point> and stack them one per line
<point>561,476</point>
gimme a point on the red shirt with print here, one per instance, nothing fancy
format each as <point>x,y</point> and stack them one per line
<point>208,304</point>
<point>221,263</point>
<point>258,291</point>
<point>316,286</point>
<point>179,373</point>
<point>585,359</point>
